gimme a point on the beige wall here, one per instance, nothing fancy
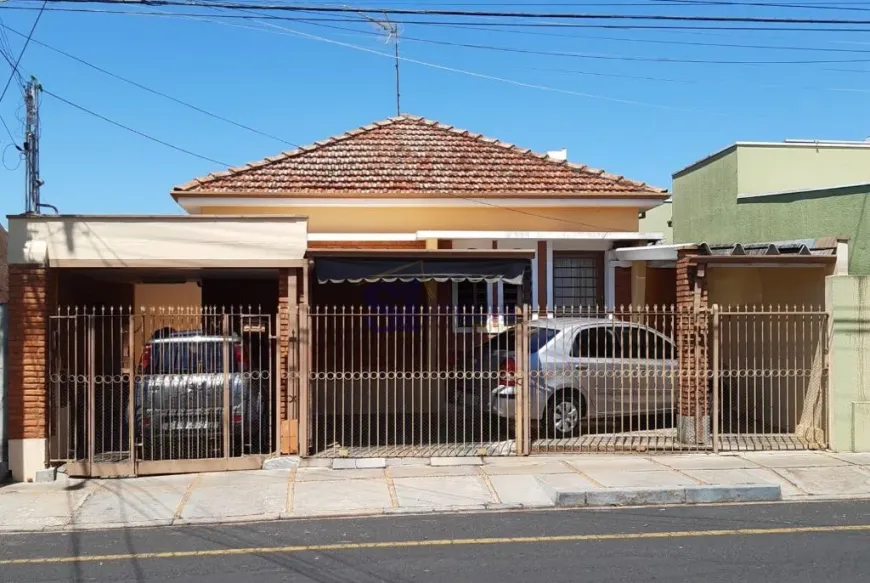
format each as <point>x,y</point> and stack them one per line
<point>118,241</point>
<point>164,304</point>
<point>483,218</point>
<point>754,340</point>
<point>656,221</point>
<point>767,285</point>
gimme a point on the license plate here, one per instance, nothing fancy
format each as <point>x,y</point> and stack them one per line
<point>190,425</point>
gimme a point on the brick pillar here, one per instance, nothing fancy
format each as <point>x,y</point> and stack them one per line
<point>288,359</point>
<point>31,293</point>
<point>693,419</point>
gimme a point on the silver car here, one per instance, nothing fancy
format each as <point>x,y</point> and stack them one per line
<point>580,368</point>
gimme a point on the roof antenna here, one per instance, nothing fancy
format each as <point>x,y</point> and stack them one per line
<point>392,31</point>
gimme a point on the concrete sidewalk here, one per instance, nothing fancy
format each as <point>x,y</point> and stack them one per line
<point>377,486</point>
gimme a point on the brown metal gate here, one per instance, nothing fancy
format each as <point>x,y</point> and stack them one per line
<point>417,382</point>
<point>145,391</point>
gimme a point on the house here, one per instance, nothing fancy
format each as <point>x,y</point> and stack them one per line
<point>757,229</point>
<point>414,215</point>
<point>757,192</point>
<point>409,183</point>
<point>393,222</point>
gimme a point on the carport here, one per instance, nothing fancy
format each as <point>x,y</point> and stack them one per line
<point>385,337</point>
<point>89,292</point>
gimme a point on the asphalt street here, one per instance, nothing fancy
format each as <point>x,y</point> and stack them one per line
<point>808,542</point>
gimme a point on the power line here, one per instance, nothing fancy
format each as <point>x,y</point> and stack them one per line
<point>291,32</point>
<point>599,56</point>
<point>576,72</point>
<point>24,48</point>
<point>137,132</point>
<point>840,6</point>
<point>480,13</point>
<point>8,131</point>
<point>695,82</point>
<point>491,28</point>
<point>470,25</point>
<point>6,56</point>
<point>607,57</point>
<point>208,159</point>
<point>494,27</point>
<point>153,91</point>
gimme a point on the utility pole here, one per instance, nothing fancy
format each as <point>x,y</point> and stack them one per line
<point>392,34</point>
<point>32,202</point>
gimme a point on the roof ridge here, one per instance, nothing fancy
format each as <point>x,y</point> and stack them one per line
<point>298,151</point>
<point>405,117</point>
<point>546,157</point>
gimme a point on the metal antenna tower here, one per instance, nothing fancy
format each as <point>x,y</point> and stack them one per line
<point>392,31</point>
<point>32,202</point>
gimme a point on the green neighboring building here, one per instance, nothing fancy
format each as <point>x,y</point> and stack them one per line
<point>755,192</point>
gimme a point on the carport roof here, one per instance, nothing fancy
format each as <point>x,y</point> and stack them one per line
<point>810,250</point>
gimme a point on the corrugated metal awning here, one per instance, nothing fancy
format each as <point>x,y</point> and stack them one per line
<point>370,270</point>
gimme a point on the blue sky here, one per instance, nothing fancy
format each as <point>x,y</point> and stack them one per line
<point>641,118</point>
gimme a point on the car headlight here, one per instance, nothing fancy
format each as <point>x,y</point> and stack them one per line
<point>507,392</point>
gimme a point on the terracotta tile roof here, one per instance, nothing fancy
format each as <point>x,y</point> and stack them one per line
<point>413,157</point>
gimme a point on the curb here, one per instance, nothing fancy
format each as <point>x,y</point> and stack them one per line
<point>563,497</point>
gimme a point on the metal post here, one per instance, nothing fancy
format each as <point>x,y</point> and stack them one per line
<point>91,406</point>
<point>227,402</point>
<point>281,374</point>
<point>304,348</point>
<point>519,381</point>
<point>131,396</point>
<point>716,383</point>
<point>522,379</point>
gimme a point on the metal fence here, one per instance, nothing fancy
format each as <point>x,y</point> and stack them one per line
<point>160,390</point>
<point>394,381</point>
<point>453,381</point>
<point>773,376</point>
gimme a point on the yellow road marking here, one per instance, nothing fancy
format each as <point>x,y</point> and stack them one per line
<point>439,543</point>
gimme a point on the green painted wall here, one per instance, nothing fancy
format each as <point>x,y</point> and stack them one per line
<point>706,207</point>
<point>705,201</point>
<point>849,374</point>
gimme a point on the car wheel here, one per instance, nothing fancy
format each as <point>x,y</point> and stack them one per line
<point>564,414</point>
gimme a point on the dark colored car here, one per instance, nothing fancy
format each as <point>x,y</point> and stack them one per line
<point>179,398</point>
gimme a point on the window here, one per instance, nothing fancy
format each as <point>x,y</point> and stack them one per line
<point>471,303</point>
<point>514,296</point>
<point>576,281</point>
<point>506,341</point>
<point>594,342</point>
<point>643,344</point>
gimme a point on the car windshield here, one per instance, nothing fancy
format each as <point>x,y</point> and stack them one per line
<point>538,337</point>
